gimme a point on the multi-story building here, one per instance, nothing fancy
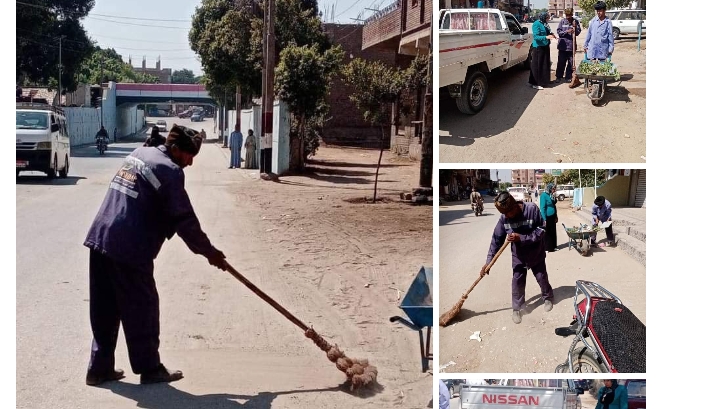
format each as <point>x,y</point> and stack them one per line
<point>163,74</point>
<point>405,28</point>
<point>527,177</point>
<point>557,7</point>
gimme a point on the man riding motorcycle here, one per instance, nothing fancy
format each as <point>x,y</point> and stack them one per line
<point>102,137</point>
<point>476,199</point>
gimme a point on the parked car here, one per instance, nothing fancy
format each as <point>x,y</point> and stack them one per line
<point>563,191</point>
<point>626,21</point>
<point>453,385</point>
<point>162,125</point>
<point>196,117</point>
<point>582,384</point>
<point>518,193</point>
<point>476,42</point>
<point>636,393</point>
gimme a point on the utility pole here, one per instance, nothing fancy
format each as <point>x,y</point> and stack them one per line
<point>102,91</point>
<point>60,73</point>
<point>426,149</point>
<point>268,89</point>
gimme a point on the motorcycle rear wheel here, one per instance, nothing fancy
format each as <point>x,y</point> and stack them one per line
<point>585,362</point>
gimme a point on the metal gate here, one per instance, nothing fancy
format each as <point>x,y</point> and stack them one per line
<point>640,195</point>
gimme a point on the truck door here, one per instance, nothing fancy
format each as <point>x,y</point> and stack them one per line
<point>518,52</point>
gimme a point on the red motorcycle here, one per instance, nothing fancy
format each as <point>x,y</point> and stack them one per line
<point>612,337</point>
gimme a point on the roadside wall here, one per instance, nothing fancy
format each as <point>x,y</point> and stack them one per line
<point>616,190</point>
<point>82,124</point>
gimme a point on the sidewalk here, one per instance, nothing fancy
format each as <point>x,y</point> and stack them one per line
<point>629,228</point>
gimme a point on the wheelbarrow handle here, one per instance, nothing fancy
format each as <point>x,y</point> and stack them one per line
<point>405,322</point>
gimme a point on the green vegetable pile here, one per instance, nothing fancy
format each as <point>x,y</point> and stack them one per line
<point>599,68</point>
<point>582,229</point>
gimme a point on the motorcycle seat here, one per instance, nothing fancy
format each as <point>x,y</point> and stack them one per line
<point>621,336</point>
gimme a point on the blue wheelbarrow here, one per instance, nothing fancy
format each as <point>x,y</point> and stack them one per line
<point>418,307</point>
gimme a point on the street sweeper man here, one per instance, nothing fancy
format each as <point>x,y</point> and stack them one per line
<point>145,204</point>
<point>520,224</point>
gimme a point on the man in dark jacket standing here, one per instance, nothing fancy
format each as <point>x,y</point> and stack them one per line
<point>145,205</point>
<point>568,29</point>
<point>521,224</point>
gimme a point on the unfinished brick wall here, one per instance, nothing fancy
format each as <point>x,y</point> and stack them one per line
<point>382,29</point>
<point>419,13</point>
<point>346,125</point>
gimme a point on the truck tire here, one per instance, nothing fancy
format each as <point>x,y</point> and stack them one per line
<point>52,172</point>
<point>616,33</point>
<point>66,169</point>
<point>473,93</point>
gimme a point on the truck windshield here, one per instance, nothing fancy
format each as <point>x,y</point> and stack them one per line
<point>31,120</point>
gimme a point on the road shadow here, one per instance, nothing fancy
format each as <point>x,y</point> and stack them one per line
<point>43,180</point>
<point>329,171</point>
<point>334,164</point>
<point>447,217</point>
<point>561,293</point>
<point>314,185</point>
<point>466,314</point>
<point>628,40</point>
<point>508,98</point>
<point>112,152</point>
<point>165,396</point>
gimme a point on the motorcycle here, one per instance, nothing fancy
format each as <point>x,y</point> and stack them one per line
<point>477,208</point>
<point>613,338</point>
<point>101,144</point>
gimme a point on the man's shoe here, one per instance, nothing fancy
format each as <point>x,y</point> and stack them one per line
<point>159,375</point>
<point>548,305</point>
<point>94,379</point>
<point>516,317</point>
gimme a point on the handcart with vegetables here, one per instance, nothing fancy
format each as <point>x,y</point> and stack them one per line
<point>579,238</point>
<point>596,75</point>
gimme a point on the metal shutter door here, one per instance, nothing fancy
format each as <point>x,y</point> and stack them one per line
<point>640,196</point>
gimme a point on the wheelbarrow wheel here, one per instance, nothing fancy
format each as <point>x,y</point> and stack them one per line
<point>584,247</point>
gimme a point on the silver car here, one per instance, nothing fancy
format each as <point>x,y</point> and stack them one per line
<point>626,21</point>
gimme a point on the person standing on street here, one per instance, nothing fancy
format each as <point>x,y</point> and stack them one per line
<point>145,205</point>
<point>521,225</point>
<point>568,30</point>
<point>444,399</point>
<point>235,145</point>
<point>601,213</point>
<point>250,151</point>
<point>115,135</point>
<point>540,59</point>
<point>599,42</point>
<point>548,211</point>
<point>612,396</point>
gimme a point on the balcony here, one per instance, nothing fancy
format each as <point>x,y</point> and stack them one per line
<point>404,25</point>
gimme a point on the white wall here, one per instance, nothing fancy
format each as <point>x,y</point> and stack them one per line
<point>130,120</point>
<point>82,124</point>
<point>250,119</point>
<point>281,138</point>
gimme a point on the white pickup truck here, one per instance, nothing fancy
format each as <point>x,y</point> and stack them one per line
<point>474,42</point>
<point>555,394</point>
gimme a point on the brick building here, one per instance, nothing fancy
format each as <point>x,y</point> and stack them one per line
<point>163,74</point>
<point>405,28</point>
<point>527,177</point>
<point>558,7</point>
<point>346,125</point>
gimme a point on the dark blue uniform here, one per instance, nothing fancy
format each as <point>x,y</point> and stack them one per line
<point>528,253</point>
<point>145,205</point>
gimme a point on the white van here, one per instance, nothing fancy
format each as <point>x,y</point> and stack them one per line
<point>41,139</point>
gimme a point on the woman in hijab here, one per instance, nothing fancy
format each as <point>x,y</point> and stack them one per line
<point>540,59</point>
<point>612,396</point>
<point>250,151</point>
<point>548,212</point>
<point>155,139</point>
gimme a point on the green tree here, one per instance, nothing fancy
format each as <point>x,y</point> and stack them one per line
<point>227,35</point>
<point>302,80</point>
<point>588,8</point>
<point>571,176</point>
<point>377,86</point>
<point>183,76</point>
<point>39,27</point>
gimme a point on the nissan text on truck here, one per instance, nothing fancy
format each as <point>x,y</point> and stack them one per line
<point>473,43</point>
<point>552,394</point>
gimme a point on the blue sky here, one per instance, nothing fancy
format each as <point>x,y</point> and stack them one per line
<point>113,24</point>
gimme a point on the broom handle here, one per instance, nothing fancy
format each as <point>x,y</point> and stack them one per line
<point>488,267</point>
<point>574,44</point>
<point>265,297</point>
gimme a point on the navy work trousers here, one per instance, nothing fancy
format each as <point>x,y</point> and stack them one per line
<point>123,293</point>
<point>519,279</point>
